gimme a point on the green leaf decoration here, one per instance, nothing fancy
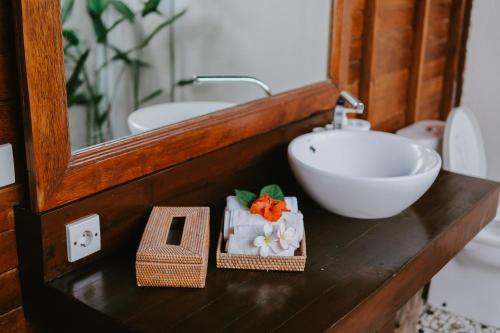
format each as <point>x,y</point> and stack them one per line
<point>151,6</point>
<point>151,96</point>
<point>245,198</point>
<point>74,80</point>
<point>71,37</point>
<point>274,191</point>
<point>66,9</point>
<point>123,9</point>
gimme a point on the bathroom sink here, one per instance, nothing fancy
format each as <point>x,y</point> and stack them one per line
<point>160,115</point>
<point>362,174</point>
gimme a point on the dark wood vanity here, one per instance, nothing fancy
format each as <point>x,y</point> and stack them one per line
<point>358,272</point>
<point>401,58</point>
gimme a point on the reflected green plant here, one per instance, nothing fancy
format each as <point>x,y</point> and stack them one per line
<point>82,82</point>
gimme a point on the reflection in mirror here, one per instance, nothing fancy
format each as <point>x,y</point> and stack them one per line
<point>136,65</point>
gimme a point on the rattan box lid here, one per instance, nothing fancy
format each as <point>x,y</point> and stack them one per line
<point>191,250</point>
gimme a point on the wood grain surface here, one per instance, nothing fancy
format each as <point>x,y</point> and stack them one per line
<point>358,272</point>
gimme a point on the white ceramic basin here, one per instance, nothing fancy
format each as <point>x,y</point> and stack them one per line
<point>362,174</point>
<point>160,115</point>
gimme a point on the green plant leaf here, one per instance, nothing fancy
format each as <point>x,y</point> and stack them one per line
<point>136,80</point>
<point>101,118</point>
<point>97,7</point>
<point>71,37</point>
<point>245,197</point>
<point>151,96</point>
<point>78,99</point>
<point>151,6</point>
<point>74,80</point>
<point>166,23</point>
<point>274,191</point>
<point>120,55</point>
<point>100,29</point>
<point>123,9</point>
<point>115,24</point>
<point>66,9</point>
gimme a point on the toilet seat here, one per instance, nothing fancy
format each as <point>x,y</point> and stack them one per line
<point>463,148</point>
<point>469,285</point>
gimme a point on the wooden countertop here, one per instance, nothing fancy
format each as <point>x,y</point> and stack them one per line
<point>358,273</point>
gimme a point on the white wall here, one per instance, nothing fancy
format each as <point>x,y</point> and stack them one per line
<point>283,42</point>
<point>481,90</point>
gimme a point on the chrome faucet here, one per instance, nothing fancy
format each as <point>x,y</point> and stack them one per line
<point>340,111</point>
<point>199,79</point>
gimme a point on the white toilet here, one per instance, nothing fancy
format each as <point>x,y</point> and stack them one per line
<point>469,285</point>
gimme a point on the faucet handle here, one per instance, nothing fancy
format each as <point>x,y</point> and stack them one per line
<point>358,106</point>
<point>339,114</point>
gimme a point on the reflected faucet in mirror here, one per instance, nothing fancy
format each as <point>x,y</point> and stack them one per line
<point>159,115</point>
<point>199,79</point>
<point>121,77</point>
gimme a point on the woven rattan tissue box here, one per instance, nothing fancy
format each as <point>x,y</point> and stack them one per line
<point>163,261</point>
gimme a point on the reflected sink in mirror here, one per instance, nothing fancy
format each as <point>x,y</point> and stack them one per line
<point>127,57</point>
<point>363,174</point>
<point>160,115</point>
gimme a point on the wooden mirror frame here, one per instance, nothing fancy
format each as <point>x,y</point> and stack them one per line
<point>56,176</point>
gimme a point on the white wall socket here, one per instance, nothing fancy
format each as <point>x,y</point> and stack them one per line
<point>7,175</point>
<point>83,237</point>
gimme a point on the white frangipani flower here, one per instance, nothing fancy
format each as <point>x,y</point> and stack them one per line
<point>266,242</point>
<point>287,237</point>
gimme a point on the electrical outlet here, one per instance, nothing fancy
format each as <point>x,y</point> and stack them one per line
<point>7,175</point>
<point>83,237</point>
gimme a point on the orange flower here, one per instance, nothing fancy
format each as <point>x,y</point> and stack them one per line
<point>271,209</point>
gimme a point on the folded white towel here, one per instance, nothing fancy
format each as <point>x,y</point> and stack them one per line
<point>233,204</point>
<point>236,218</point>
<point>244,245</point>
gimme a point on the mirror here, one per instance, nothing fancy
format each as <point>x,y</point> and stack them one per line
<point>136,65</point>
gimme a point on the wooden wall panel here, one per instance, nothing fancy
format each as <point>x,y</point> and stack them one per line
<point>11,131</point>
<point>405,58</point>
<point>387,58</point>
<point>10,291</point>
<point>14,322</point>
<point>356,48</point>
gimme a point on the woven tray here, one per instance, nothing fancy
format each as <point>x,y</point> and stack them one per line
<point>296,263</point>
<point>160,264</point>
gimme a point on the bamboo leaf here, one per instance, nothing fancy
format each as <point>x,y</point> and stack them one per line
<point>66,9</point>
<point>71,37</point>
<point>115,24</point>
<point>101,118</point>
<point>74,80</point>
<point>151,6</point>
<point>83,99</point>
<point>168,22</point>
<point>120,55</point>
<point>151,96</point>
<point>97,7</point>
<point>99,28</point>
<point>136,79</point>
<point>78,99</point>
<point>123,9</point>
